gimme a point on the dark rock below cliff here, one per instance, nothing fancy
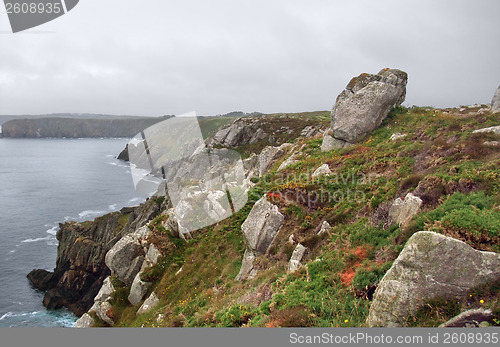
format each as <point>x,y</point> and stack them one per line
<point>80,267</point>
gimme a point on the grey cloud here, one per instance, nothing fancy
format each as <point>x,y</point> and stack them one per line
<point>157,57</point>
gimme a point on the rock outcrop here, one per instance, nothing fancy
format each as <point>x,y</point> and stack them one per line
<point>402,211</point>
<point>80,267</point>
<point>431,266</point>
<point>364,104</point>
<point>259,229</point>
<point>85,321</point>
<point>495,103</point>
<point>494,130</point>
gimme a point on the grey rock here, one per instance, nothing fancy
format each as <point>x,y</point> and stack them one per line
<point>495,103</point>
<point>366,102</point>
<point>287,162</point>
<point>295,260</point>
<point>402,211</point>
<point>269,155</point>
<point>492,143</point>
<point>137,290</point>
<point>397,136</point>
<point>240,132</point>
<point>330,143</point>
<point>85,321</point>
<point>431,266</point>
<point>152,255</point>
<point>120,258</point>
<point>151,302</point>
<point>322,170</point>
<point>246,265</point>
<point>495,130</point>
<point>262,225</point>
<point>325,227</point>
<point>101,310</point>
<point>309,131</point>
<point>259,135</point>
<point>469,318</point>
<point>106,290</point>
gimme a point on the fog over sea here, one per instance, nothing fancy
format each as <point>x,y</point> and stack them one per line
<point>44,182</point>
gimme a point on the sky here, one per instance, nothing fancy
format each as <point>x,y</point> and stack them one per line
<point>156,57</point>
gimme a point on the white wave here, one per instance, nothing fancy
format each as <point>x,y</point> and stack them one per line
<point>135,199</point>
<point>12,251</point>
<point>87,213</point>
<point>37,239</point>
<point>53,230</point>
<point>10,314</point>
<point>112,207</point>
<point>110,156</point>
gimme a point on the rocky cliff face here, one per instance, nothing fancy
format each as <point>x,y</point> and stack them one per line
<point>76,128</point>
<point>80,267</point>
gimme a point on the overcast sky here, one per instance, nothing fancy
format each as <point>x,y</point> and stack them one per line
<point>154,57</point>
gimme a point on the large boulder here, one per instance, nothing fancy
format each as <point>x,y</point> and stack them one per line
<point>431,266</point>
<point>262,225</point>
<point>259,229</point>
<point>126,257</point>
<point>402,211</point>
<point>366,102</point>
<point>495,103</point>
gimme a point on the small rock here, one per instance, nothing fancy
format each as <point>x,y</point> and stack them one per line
<point>106,290</point>
<point>309,131</point>
<point>325,227</point>
<point>470,317</point>
<point>402,211</point>
<point>178,271</point>
<point>397,136</point>
<point>492,143</point>
<point>495,130</point>
<point>102,312</point>
<point>246,265</point>
<point>291,239</point>
<point>269,155</point>
<point>153,255</point>
<point>330,143</point>
<point>322,170</point>
<point>138,290</point>
<point>151,302</point>
<point>296,258</point>
<point>85,321</point>
<point>289,161</point>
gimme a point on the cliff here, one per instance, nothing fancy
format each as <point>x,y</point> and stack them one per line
<point>80,267</point>
<point>77,127</point>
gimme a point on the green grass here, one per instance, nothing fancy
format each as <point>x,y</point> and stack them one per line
<point>440,159</point>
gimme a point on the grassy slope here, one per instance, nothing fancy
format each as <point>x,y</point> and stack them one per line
<point>459,183</point>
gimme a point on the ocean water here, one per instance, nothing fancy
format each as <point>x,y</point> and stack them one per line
<point>44,182</point>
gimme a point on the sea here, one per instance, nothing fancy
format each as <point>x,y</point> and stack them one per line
<point>44,182</point>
